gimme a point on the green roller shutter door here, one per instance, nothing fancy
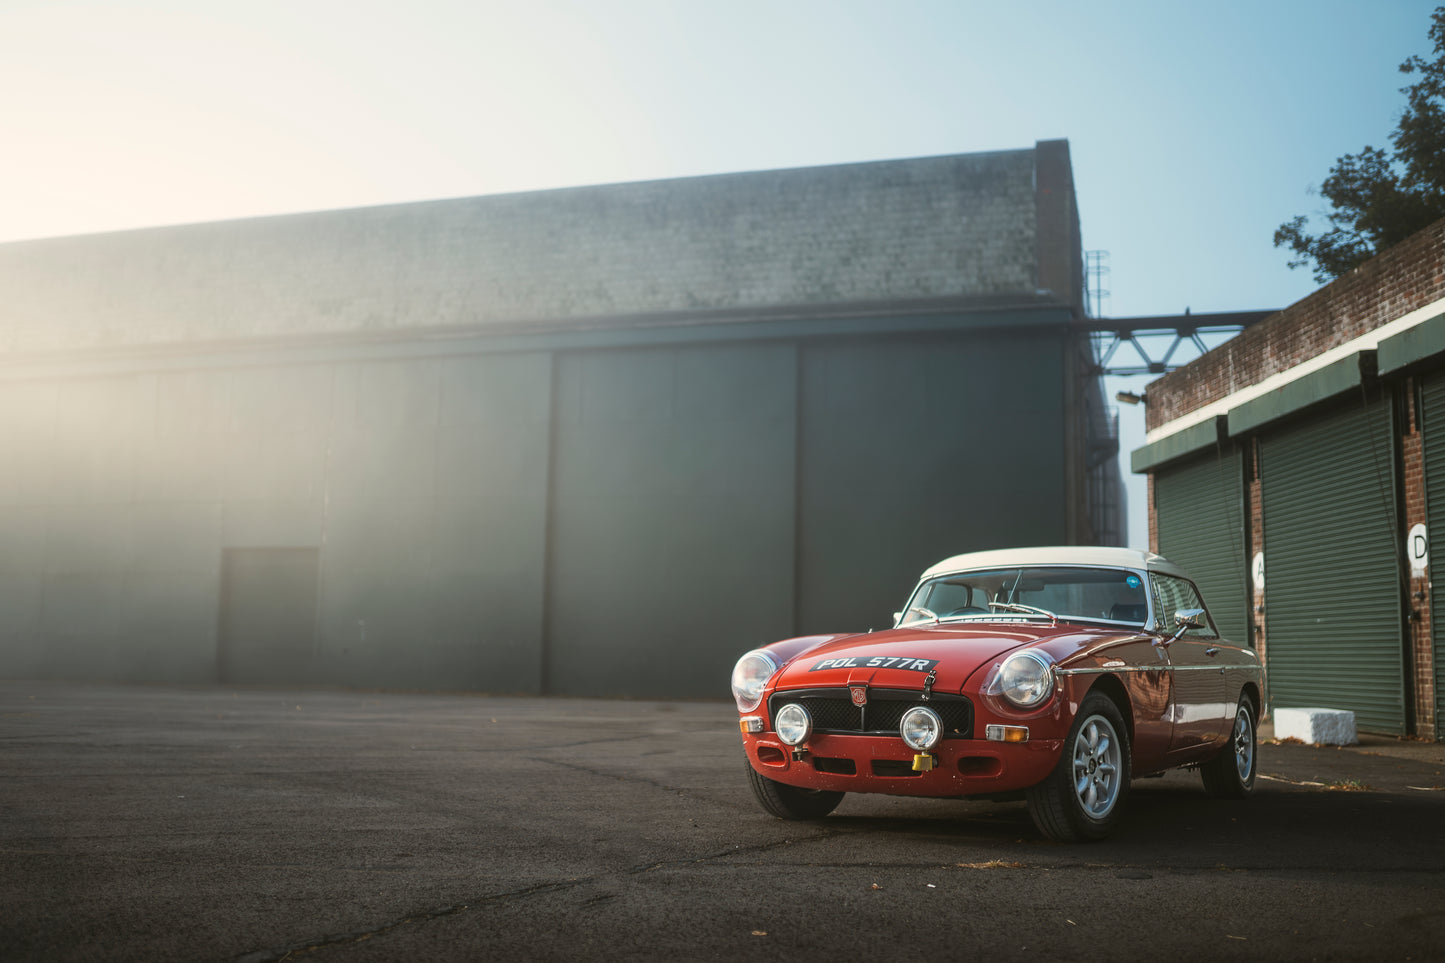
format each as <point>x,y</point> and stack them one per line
<point>1432,410</point>
<point>1332,578</point>
<point>1200,509</point>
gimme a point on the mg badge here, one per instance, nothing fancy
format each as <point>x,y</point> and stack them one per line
<point>860,695</point>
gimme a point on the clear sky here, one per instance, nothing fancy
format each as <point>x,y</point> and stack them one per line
<point>1195,128</point>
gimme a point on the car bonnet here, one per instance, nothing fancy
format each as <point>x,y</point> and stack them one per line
<point>904,658</point>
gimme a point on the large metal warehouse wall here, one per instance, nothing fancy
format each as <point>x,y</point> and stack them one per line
<point>592,441</point>
<point>911,448</point>
<point>418,486</point>
<point>673,504</point>
<point>621,521</point>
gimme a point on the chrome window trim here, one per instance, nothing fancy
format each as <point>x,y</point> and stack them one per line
<point>1152,668</point>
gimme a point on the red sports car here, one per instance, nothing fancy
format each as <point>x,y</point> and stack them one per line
<point>1051,674</point>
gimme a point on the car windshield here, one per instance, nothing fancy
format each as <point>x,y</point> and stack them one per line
<point>1069,592</point>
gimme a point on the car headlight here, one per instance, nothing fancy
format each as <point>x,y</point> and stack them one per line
<point>1025,679</point>
<point>921,728</point>
<point>793,724</point>
<point>750,676</point>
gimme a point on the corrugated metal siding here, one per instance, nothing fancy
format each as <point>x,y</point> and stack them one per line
<point>1432,411</point>
<point>904,461</point>
<point>1200,505</point>
<point>1332,578</point>
<point>672,516</point>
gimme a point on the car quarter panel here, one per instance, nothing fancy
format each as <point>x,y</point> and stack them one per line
<point>1134,670</point>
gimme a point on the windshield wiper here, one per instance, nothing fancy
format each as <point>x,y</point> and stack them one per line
<point>926,613</point>
<point>1026,609</point>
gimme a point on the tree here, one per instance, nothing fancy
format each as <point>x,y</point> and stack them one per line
<point>1379,199</point>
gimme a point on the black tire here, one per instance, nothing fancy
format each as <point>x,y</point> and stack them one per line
<point>790,802</point>
<point>1081,799</point>
<point>1230,775</point>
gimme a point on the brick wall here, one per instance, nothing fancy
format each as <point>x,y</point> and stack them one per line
<point>1153,517</point>
<point>1421,641</point>
<point>1254,544</point>
<point>1409,276</point>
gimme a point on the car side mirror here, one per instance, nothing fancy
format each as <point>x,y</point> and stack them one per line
<point>1187,619</point>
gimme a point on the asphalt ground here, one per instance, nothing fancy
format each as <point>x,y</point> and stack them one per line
<point>144,823</point>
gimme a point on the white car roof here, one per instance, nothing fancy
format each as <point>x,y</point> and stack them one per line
<point>1056,555</point>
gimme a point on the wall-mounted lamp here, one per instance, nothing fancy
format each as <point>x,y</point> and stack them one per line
<point>1129,398</point>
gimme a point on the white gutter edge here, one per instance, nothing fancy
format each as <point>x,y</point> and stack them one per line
<point>1365,342</point>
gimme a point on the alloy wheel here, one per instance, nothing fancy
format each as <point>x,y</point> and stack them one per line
<point>1096,767</point>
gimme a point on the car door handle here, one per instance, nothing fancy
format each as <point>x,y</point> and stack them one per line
<point>1212,650</point>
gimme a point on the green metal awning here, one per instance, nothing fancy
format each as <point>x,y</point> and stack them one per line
<point>1424,341</point>
<point>1327,382</point>
<point>1195,438</point>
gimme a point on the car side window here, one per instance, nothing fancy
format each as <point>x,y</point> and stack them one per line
<point>1172,594</point>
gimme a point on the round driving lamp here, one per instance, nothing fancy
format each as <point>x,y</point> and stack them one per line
<point>921,728</point>
<point>793,724</point>
<point>1025,679</point>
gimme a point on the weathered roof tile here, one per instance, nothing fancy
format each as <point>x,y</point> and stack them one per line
<point>957,226</point>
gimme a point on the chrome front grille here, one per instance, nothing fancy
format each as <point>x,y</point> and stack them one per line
<point>833,710</point>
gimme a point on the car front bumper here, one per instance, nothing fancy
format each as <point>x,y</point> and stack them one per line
<point>883,764</point>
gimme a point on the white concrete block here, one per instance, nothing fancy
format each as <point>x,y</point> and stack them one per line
<point>1320,727</point>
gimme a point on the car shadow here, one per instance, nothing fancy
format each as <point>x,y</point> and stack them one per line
<point>1173,820</point>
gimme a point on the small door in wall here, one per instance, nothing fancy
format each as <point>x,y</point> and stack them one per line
<point>268,615</point>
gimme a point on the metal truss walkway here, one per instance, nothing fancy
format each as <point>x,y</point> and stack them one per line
<point>1168,331</point>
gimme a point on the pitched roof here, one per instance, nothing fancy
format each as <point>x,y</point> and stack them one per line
<point>960,226</point>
